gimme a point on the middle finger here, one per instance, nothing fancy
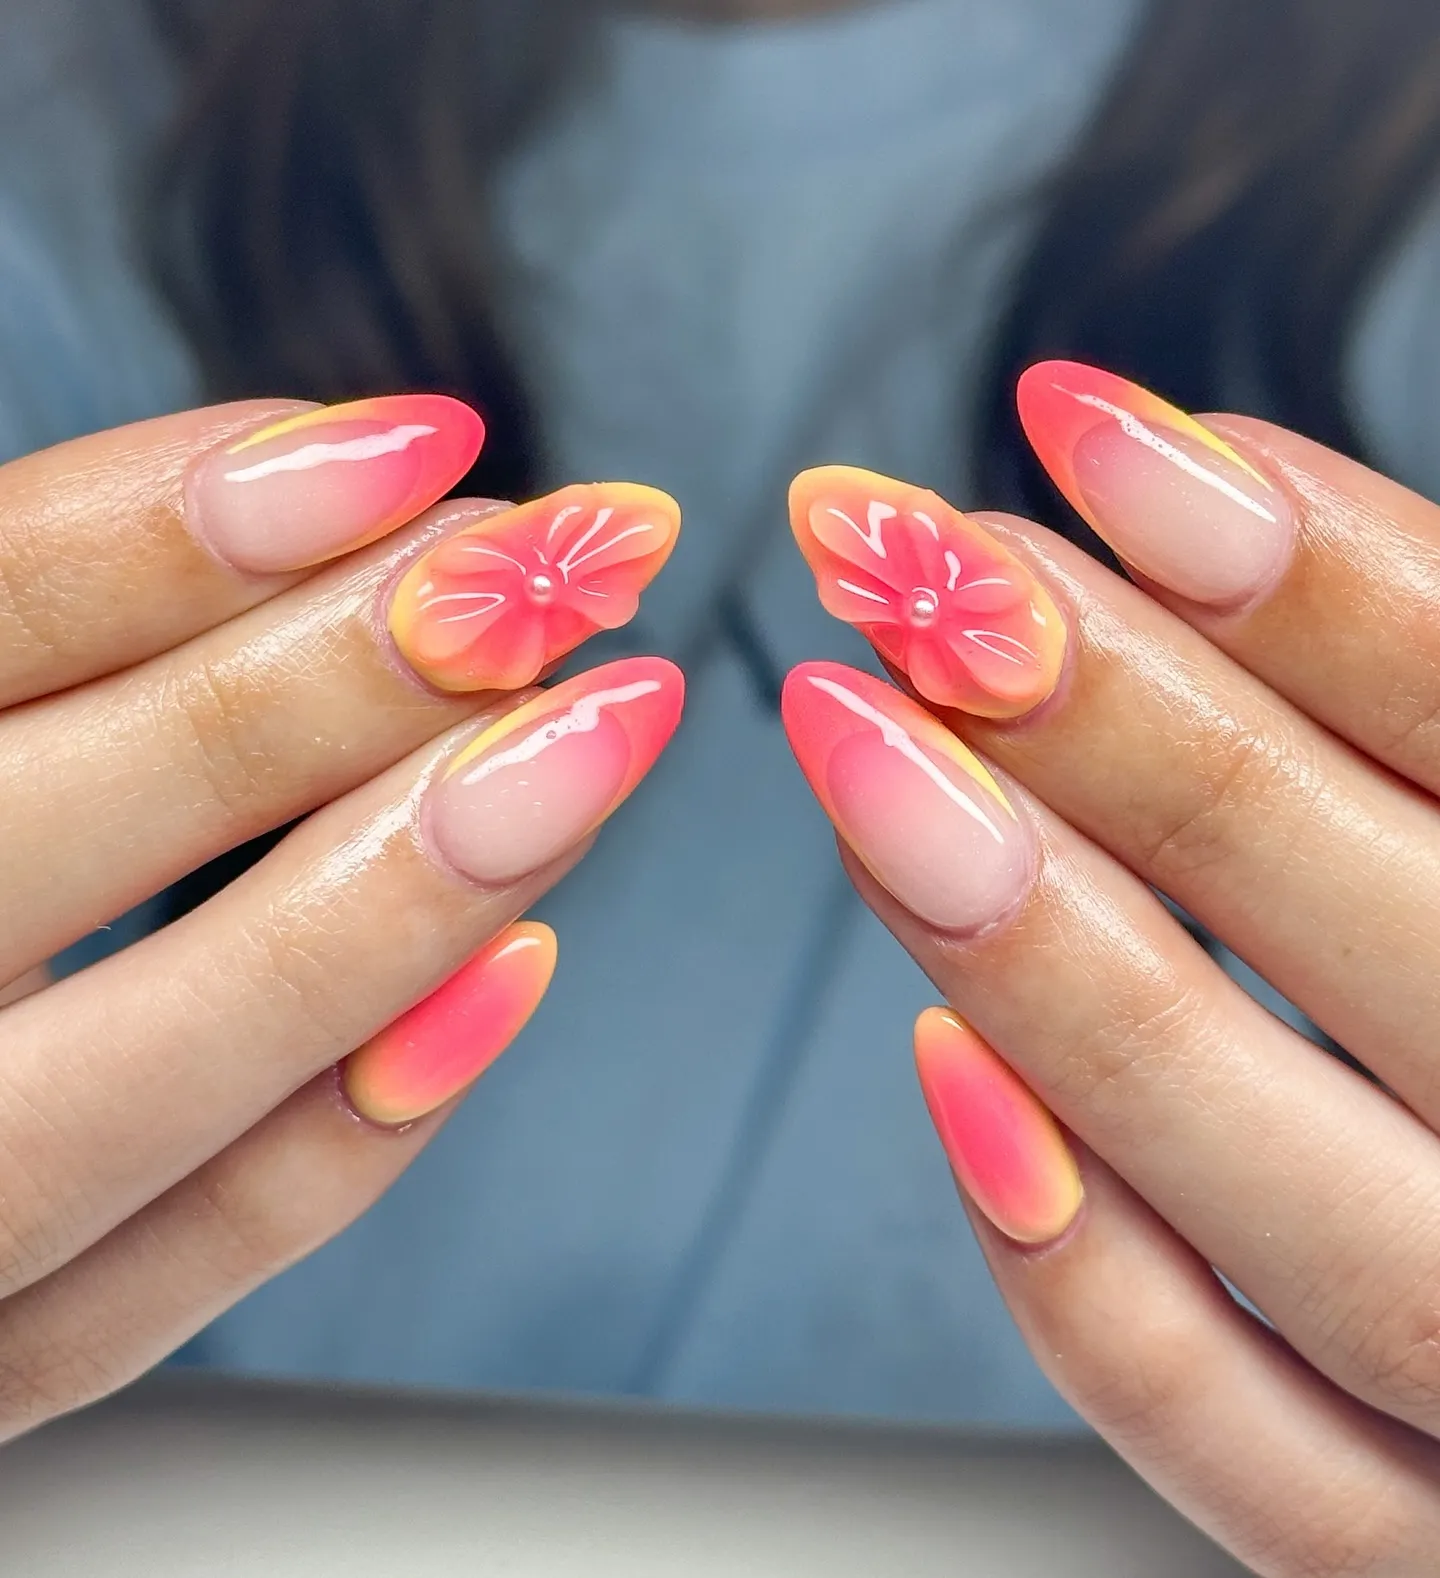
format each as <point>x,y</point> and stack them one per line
<point>276,712</point>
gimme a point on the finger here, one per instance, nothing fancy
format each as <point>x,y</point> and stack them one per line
<point>1258,823</point>
<point>1140,1336</point>
<point>1207,784</point>
<point>1317,574</point>
<point>1313,1191</point>
<point>256,722</point>
<point>271,1197</point>
<point>121,545</point>
<point>116,1083</point>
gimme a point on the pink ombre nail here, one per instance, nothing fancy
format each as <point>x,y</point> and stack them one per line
<point>924,814</point>
<point>446,1041</point>
<point>320,484</point>
<point>1171,498</point>
<point>546,775</point>
<point>1005,1149</point>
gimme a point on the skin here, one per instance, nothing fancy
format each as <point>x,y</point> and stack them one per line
<point>1274,771</point>
<point>171,1127</point>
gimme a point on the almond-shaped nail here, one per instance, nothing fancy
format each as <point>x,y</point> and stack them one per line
<point>921,811</point>
<point>1005,1149</point>
<point>446,1041</point>
<point>1173,499</point>
<point>320,484</point>
<point>931,590</point>
<point>496,604</point>
<point>540,780</point>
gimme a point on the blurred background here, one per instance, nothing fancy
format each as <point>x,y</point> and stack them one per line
<point>703,245</point>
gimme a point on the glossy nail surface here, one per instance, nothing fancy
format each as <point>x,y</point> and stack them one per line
<point>493,606</point>
<point>1005,1149</point>
<point>327,481</point>
<point>934,593</point>
<point>1169,496</point>
<point>445,1042</point>
<point>923,813</point>
<point>537,782</point>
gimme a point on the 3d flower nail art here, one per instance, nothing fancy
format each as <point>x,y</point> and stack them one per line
<point>493,606</point>
<point>936,595</point>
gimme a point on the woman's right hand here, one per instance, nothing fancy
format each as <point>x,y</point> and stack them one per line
<point>177,677</point>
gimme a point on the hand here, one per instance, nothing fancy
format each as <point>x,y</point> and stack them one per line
<point>175,681</point>
<point>1257,735</point>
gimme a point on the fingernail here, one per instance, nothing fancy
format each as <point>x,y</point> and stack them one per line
<point>493,606</point>
<point>1169,496</point>
<point>445,1042</point>
<point>322,483</point>
<point>923,814</point>
<point>1005,1149</point>
<point>936,595</point>
<point>546,775</point>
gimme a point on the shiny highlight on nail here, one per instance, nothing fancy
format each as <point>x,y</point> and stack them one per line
<point>325,482</point>
<point>936,595</point>
<point>445,1042</point>
<point>922,812</point>
<point>543,777</point>
<point>492,607</point>
<point>1005,1149</point>
<point>1172,498</point>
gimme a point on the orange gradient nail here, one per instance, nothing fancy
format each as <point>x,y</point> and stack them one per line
<point>545,776</point>
<point>1006,1151</point>
<point>450,1038</point>
<point>320,484</point>
<point>934,593</point>
<point>1173,499</point>
<point>492,607</point>
<point>921,811</point>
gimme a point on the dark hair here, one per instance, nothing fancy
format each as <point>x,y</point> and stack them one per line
<point>320,216</point>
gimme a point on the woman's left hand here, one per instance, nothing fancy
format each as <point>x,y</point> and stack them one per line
<point>1256,734</point>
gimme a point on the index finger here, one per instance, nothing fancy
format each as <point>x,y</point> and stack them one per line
<point>1319,575</point>
<point>123,544</point>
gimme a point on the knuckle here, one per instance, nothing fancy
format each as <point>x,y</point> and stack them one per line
<point>215,705</point>
<point>1398,1357</point>
<point>40,1212</point>
<point>1148,1033</point>
<point>245,1239</point>
<point>33,619</point>
<point>1409,721</point>
<point>1147,1400</point>
<point>1210,821</point>
<point>45,1379</point>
